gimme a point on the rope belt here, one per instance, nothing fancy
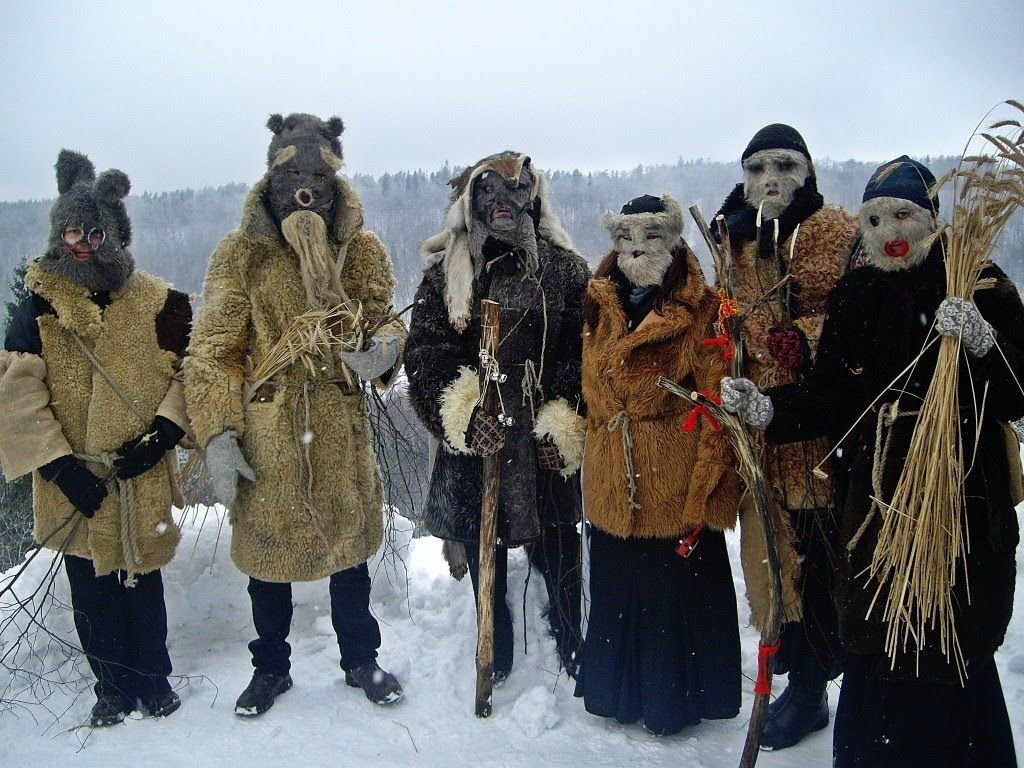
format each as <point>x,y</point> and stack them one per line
<point>128,513</point>
<point>623,422</point>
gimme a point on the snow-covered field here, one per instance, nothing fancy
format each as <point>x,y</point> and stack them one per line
<point>428,626</point>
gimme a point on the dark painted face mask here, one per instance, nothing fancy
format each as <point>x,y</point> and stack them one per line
<point>302,179</point>
<point>503,207</point>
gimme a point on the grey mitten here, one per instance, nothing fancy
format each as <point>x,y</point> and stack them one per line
<point>225,462</point>
<point>378,358</point>
<point>741,396</point>
<point>959,318</point>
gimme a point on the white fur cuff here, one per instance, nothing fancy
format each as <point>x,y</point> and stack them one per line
<point>559,422</point>
<point>457,401</point>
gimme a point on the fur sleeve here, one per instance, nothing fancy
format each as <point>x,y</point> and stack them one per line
<point>368,260</point>
<point>30,435</point>
<point>215,365</point>
<point>569,354</point>
<point>434,354</point>
<point>1003,366</point>
<point>714,491</point>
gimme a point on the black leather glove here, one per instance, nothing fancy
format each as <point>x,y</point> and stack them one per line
<point>145,451</point>
<point>81,487</point>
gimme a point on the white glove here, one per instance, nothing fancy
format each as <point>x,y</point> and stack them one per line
<point>378,358</point>
<point>225,462</point>
<point>959,318</point>
<point>740,396</point>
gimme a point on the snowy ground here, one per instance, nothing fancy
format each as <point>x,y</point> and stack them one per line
<point>428,626</point>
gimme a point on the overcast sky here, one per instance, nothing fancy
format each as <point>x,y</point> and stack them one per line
<point>177,93</point>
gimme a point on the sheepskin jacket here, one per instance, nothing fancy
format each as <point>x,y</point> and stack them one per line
<point>541,327</point>
<point>55,403</point>
<point>816,261</point>
<point>682,478</point>
<point>316,505</point>
<point>877,323</point>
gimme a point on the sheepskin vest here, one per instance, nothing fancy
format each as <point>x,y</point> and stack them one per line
<point>96,421</point>
<point>682,479</point>
<point>316,505</point>
<point>819,257</point>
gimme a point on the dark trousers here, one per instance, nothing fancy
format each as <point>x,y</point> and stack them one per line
<point>357,629</point>
<point>810,648</point>
<point>556,556</point>
<point>123,630</point>
<point>886,722</point>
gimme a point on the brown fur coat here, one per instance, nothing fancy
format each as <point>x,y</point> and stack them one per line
<point>682,479</point>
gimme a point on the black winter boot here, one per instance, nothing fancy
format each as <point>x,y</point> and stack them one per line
<point>379,686</point>
<point>259,696</point>
<point>797,713</point>
<point>161,706</point>
<point>110,709</point>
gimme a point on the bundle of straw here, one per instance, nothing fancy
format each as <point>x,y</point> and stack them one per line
<point>922,542</point>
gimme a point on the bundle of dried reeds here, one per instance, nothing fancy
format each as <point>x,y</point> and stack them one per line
<point>922,542</point>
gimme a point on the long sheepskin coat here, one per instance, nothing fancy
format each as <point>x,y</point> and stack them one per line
<point>682,479</point>
<point>55,402</point>
<point>298,432</point>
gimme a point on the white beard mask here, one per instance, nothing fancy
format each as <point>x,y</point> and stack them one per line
<point>644,242</point>
<point>772,177</point>
<point>896,233</point>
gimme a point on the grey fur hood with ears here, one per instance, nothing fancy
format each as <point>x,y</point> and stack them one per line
<point>450,246</point>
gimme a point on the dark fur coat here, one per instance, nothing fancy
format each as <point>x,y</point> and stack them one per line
<point>876,323</point>
<point>541,322</point>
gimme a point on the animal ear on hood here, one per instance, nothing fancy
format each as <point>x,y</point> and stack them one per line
<point>73,168</point>
<point>111,188</point>
<point>276,123</point>
<point>334,127</point>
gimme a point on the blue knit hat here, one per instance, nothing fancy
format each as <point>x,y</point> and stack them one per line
<point>905,179</point>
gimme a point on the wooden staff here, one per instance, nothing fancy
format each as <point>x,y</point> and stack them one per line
<point>489,335</point>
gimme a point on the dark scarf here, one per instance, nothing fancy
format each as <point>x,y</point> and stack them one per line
<point>741,219</point>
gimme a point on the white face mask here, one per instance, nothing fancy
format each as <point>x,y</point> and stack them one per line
<point>896,233</point>
<point>644,254</point>
<point>772,177</point>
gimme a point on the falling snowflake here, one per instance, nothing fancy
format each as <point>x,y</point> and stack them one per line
<point>307,438</point>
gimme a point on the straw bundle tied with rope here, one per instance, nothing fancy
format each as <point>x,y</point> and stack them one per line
<point>922,543</point>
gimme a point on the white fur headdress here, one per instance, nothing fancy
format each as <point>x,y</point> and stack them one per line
<point>668,221</point>
<point>450,246</point>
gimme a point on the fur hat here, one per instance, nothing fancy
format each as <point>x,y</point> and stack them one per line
<point>905,179</point>
<point>300,127</point>
<point>81,198</point>
<point>450,246</point>
<point>776,136</point>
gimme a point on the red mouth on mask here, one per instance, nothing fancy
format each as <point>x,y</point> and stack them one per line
<point>80,252</point>
<point>897,249</point>
<point>501,213</point>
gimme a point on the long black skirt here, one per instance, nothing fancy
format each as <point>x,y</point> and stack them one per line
<point>883,722</point>
<point>663,640</point>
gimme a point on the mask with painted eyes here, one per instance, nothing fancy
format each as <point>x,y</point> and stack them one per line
<point>895,233</point>
<point>503,207</point>
<point>304,156</point>
<point>643,236</point>
<point>772,177</point>
<point>89,226</point>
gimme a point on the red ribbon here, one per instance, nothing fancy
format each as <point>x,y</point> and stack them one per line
<point>687,545</point>
<point>763,686</point>
<point>701,410</point>
<point>722,341</point>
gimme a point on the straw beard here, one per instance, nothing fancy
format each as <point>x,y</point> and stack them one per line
<point>306,233</point>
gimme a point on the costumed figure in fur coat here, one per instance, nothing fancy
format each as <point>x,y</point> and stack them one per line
<point>780,331</point>
<point>292,456</point>
<point>502,242</point>
<point>662,641</point>
<point>92,405</point>
<point>911,710</point>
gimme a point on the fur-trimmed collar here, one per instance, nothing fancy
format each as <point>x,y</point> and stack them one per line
<point>450,246</point>
<point>257,220</point>
<point>73,303</point>
<point>741,219</point>
<point>675,317</point>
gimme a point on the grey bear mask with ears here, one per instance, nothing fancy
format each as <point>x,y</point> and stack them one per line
<point>89,226</point>
<point>303,158</point>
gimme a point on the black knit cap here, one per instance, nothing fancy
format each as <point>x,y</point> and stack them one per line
<point>776,136</point>
<point>905,179</point>
<point>643,204</point>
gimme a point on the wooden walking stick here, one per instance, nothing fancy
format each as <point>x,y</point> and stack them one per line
<point>489,335</point>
